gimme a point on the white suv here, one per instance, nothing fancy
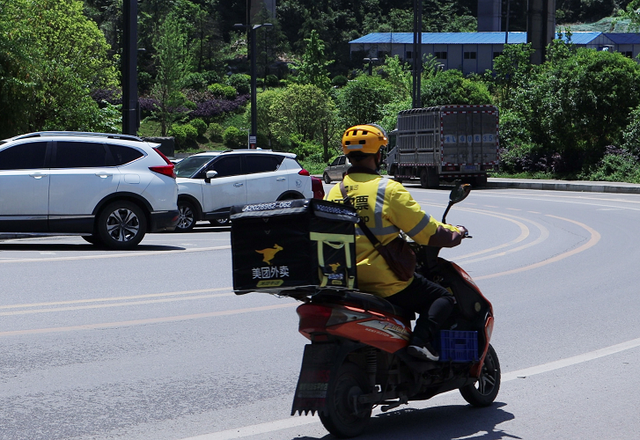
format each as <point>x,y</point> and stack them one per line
<point>210,183</point>
<point>110,188</point>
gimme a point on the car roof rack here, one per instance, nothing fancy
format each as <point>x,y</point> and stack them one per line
<point>78,133</point>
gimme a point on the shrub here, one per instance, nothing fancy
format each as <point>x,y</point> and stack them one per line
<point>339,81</point>
<point>241,82</point>
<point>215,132</point>
<point>200,80</point>
<point>190,131</point>
<point>212,108</point>
<point>272,81</point>
<point>200,126</point>
<point>234,138</point>
<point>222,91</point>
<point>617,165</point>
<point>179,134</point>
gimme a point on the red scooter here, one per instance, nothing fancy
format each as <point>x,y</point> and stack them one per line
<point>357,357</point>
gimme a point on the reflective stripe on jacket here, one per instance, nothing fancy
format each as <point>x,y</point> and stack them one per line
<point>387,207</point>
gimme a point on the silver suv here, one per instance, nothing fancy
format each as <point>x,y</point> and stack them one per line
<point>110,188</point>
<point>210,183</point>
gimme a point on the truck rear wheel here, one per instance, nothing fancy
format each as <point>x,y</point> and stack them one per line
<point>480,181</point>
<point>429,178</point>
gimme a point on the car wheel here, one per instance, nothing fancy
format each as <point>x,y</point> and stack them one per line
<point>326,178</point>
<point>290,196</point>
<point>121,225</point>
<point>186,217</point>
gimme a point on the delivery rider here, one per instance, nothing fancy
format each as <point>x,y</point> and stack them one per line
<point>387,207</point>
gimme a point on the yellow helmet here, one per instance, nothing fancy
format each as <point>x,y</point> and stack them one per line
<point>365,139</point>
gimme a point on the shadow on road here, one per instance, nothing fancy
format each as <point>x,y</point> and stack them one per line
<point>436,423</point>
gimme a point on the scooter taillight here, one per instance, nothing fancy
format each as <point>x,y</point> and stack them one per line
<point>313,318</point>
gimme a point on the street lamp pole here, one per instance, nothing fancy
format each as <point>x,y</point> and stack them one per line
<point>254,55</point>
<point>254,106</point>
<point>370,61</point>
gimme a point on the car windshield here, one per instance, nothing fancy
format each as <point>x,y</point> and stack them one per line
<point>189,166</point>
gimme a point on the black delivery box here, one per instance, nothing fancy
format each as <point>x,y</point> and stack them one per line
<point>289,244</point>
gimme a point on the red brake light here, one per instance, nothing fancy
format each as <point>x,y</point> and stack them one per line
<point>168,169</point>
<point>304,172</point>
<point>317,188</point>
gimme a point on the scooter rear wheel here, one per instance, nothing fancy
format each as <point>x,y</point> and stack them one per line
<point>343,416</point>
<point>485,390</point>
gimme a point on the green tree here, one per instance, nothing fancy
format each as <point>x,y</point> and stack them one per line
<point>266,114</point>
<point>313,69</point>
<point>511,70</point>
<point>577,105</point>
<point>52,58</point>
<point>306,112</point>
<point>362,100</point>
<point>172,63</point>
<point>451,87</point>
<point>398,74</point>
<point>18,76</point>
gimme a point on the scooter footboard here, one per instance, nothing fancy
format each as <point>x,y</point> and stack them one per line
<point>319,364</point>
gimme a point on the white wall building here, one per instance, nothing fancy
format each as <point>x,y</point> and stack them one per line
<point>473,52</point>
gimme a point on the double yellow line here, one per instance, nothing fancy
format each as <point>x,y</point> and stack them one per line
<point>96,303</point>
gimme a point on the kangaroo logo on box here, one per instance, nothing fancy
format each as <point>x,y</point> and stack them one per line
<point>271,275</point>
<point>336,278</point>
<point>269,253</point>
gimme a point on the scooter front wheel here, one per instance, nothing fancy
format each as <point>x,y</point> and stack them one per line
<point>485,390</point>
<point>343,416</point>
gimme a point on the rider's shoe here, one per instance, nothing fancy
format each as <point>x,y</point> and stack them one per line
<point>423,350</point>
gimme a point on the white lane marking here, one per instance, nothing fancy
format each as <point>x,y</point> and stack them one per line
<point>574,360</point>
<point>277,425</point>
<point>116,298</point>
<point>262,428</point>
<point>115,255</point>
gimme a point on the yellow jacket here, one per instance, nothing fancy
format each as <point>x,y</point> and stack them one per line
<point>387,207</point>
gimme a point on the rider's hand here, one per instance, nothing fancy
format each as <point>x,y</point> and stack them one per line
<point>463,231</point>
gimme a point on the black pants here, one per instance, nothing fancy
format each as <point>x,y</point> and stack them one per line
<point>432,302</point>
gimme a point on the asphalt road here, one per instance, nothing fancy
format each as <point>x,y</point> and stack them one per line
<point>153,344</point>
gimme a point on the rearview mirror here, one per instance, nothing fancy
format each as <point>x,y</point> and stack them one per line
<point>459,193</point>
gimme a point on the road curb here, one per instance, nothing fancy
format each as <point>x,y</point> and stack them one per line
<point>557,185</point>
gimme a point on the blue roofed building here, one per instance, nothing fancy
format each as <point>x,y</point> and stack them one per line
<point>473,52</point>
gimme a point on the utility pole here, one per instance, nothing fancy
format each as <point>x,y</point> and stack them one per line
<point>541,20</point>
<point>253,55</point>
<point>130,121</point>
<point>417,53</point>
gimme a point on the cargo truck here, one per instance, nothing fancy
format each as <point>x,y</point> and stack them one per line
<point>449,142</point>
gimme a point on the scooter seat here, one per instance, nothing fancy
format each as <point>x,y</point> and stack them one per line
<point>367,301</point>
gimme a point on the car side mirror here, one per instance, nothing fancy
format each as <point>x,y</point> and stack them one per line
<point>210,175</point>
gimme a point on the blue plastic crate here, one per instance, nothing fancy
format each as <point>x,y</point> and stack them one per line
<point>458,346</point>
